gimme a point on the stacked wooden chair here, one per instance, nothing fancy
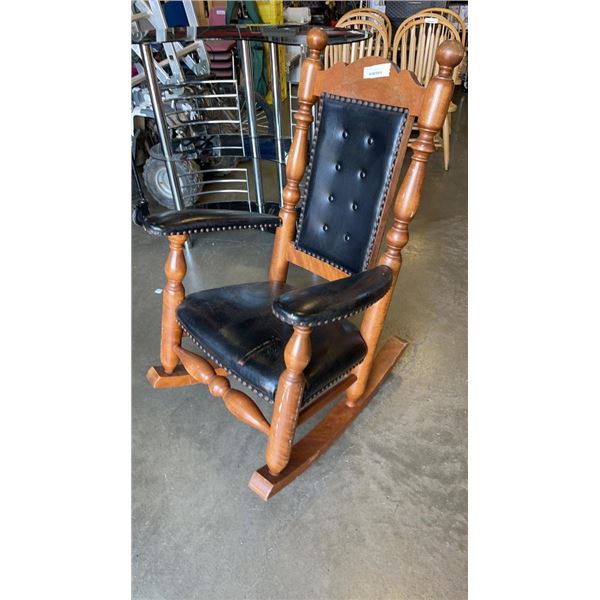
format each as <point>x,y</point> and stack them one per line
<point>378,44</point>
<point>414,47</point>
<point>452,16</point>
<point>297,348</point>
<point>369,14</point>
<point>460,26</point>
<point>449,15</point>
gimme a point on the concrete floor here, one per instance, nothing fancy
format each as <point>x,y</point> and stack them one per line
<point>383,514</point>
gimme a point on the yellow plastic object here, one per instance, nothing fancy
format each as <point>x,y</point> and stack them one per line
<point>271,12</point>
<point>282,76</point>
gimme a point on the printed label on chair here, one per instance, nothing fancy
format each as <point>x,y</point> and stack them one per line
<point>375,71</point>
<point>431,20</point>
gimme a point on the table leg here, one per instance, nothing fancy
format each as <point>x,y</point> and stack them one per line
<point>276,86</point>
<point>251,107</point>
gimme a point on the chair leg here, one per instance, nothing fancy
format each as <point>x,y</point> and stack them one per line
<point>173,294</point>
<point>370,329</point>
<point>446,142</point>
<point>287,401</point>
<point>305,452</point>
<point>171,333</point>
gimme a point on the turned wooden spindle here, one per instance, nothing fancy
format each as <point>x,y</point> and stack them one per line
<point>297,157</point>
<point>290,389</point>
<point>431,118</point>
<point>238,404</point>
<point>173,295</point>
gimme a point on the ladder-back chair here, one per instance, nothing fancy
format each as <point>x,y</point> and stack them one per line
<point>414,47</point>
<point>376,45</point>
<point>296,348</point>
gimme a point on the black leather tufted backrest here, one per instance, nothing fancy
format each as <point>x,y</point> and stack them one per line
<point>351,165</point>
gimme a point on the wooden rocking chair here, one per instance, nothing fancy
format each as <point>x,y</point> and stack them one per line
<point>296,347</point>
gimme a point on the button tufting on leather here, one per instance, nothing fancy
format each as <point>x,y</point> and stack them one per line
<point>325,227</point>
<point>335,200</point>
<point>345,134</point>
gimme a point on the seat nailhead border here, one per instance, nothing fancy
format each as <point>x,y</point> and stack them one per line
<point>303,402</point>
<point>331,384</point>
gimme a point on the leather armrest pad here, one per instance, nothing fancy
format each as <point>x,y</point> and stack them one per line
<point>320,304</point>
<point>199,220</point>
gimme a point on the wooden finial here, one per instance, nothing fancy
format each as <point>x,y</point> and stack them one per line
<point>317,39</point>
<point>448,55</point>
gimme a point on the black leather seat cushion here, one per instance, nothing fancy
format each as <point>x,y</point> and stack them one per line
<point>349,176</point>
<point>236,328</point>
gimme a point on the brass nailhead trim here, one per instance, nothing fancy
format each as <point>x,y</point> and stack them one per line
<point>207,229</point>
<point>303,401</point>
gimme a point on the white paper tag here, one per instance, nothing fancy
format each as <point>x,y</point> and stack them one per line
<point>431,20</point>
<point>375,71</point>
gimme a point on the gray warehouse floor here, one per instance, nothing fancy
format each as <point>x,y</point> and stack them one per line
<point>383,514</point>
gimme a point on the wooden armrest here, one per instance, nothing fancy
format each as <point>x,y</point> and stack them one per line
<point>340,299</point>
<point>199,220</point>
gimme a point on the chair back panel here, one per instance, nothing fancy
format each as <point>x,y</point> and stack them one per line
<point>353,159</point>
<point>386,101</point>
<point>398,88</point>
